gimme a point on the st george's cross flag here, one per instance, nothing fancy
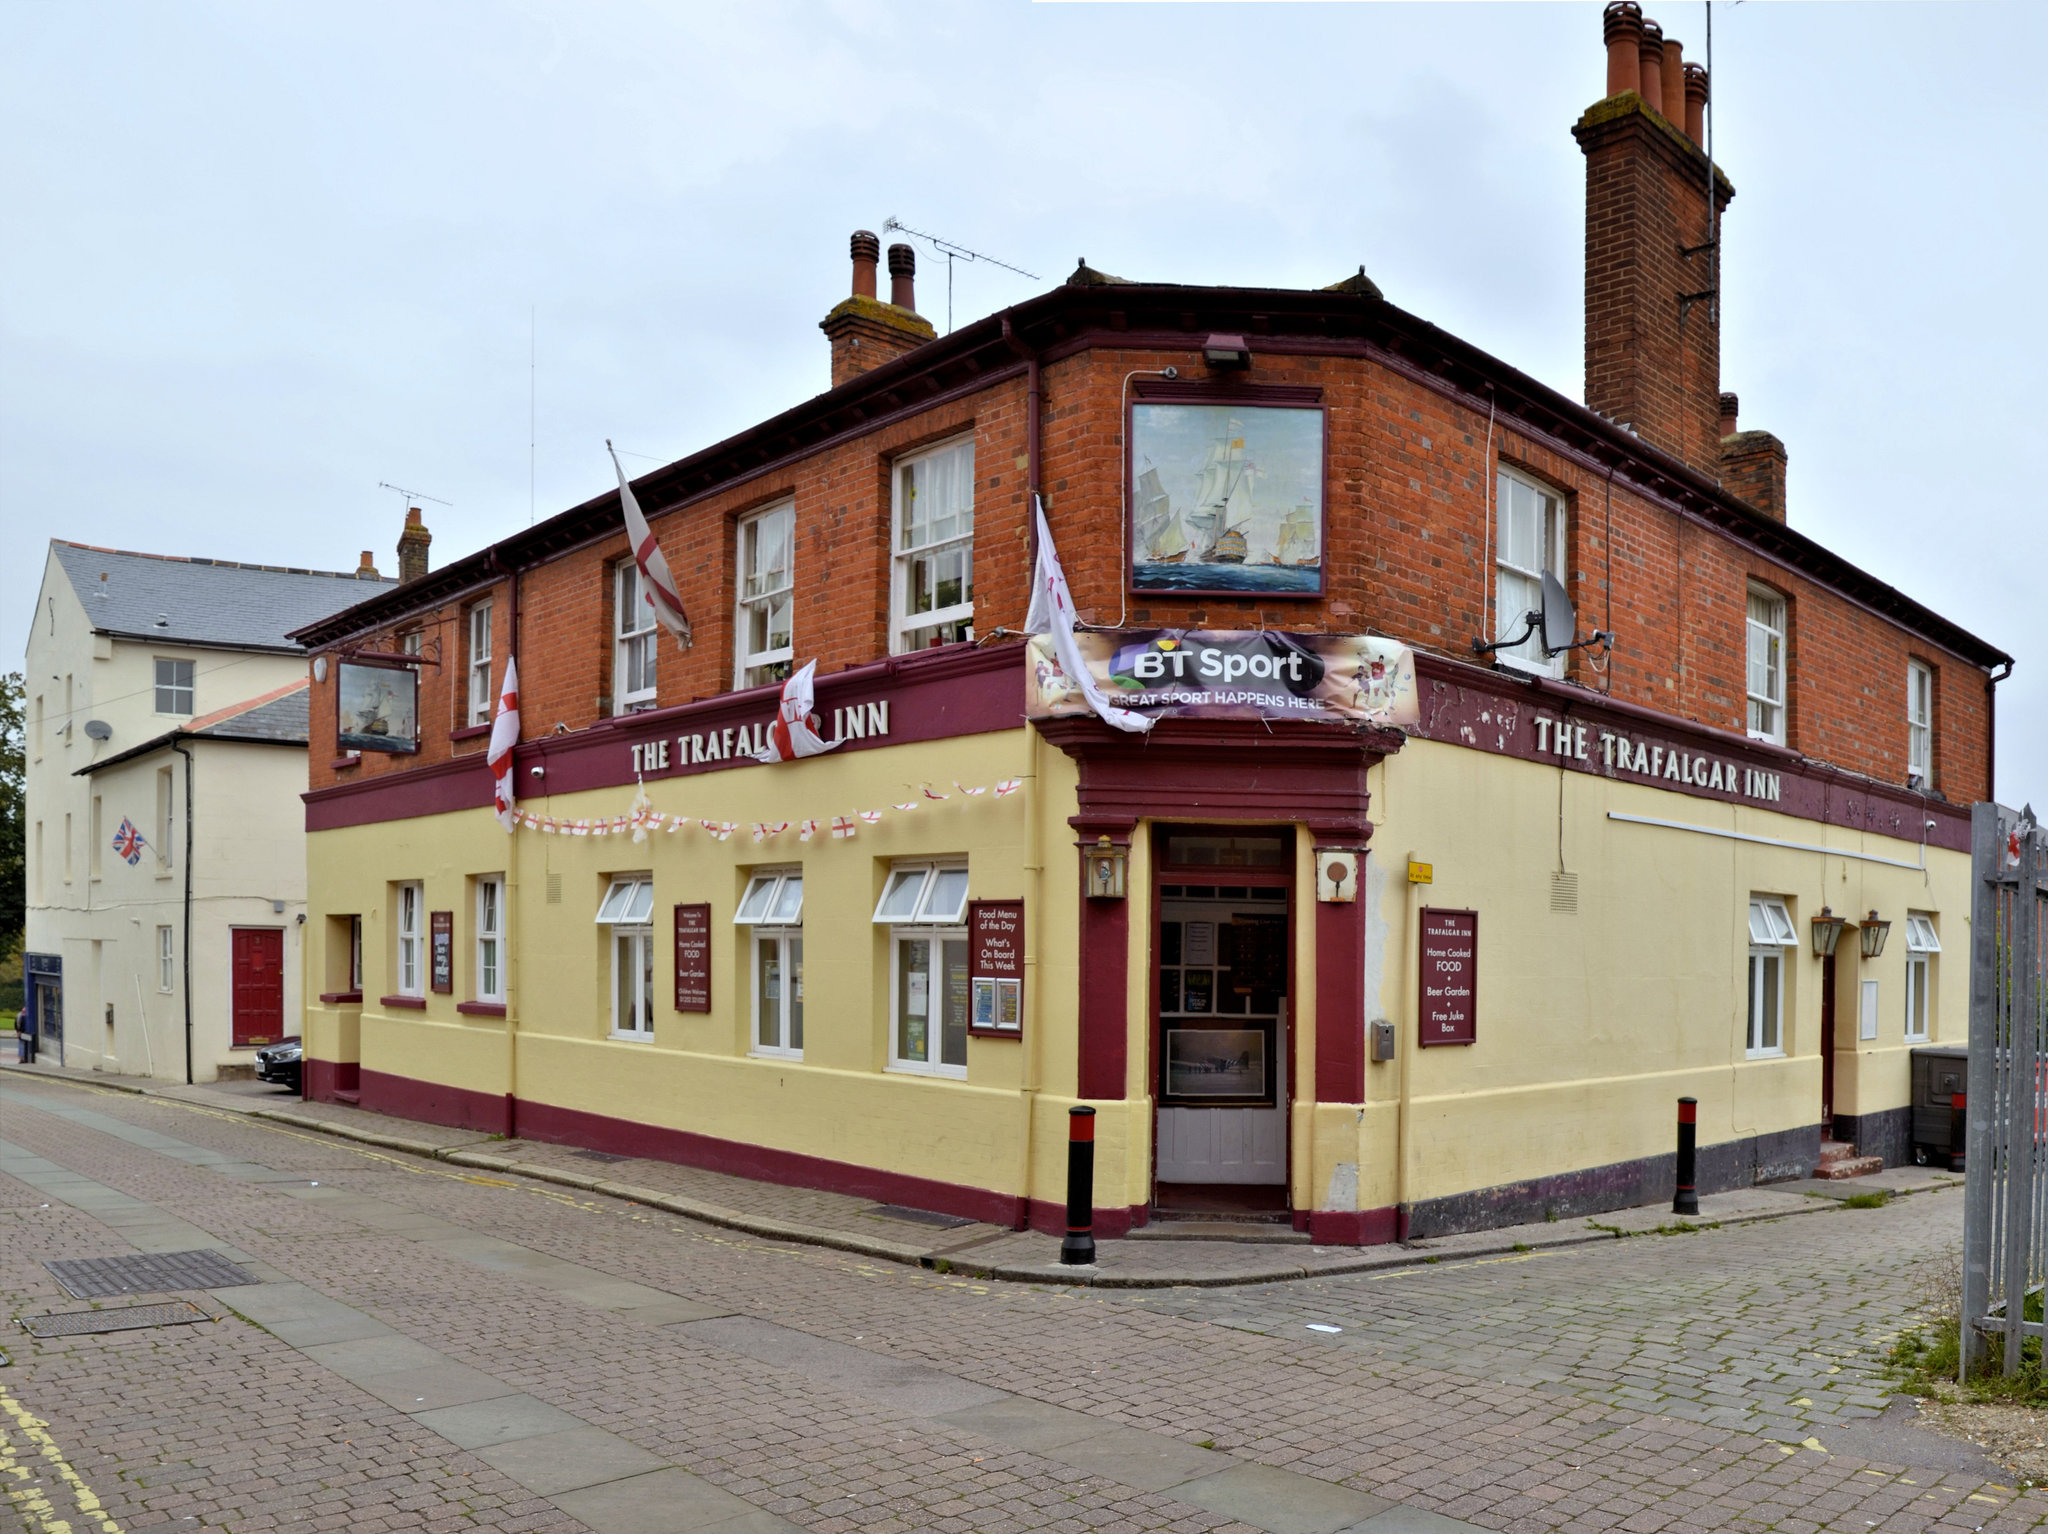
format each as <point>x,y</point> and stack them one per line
<point>1052,612</point>
<point>504,736</point>
<point>795,731</point>
<point>657,587</point>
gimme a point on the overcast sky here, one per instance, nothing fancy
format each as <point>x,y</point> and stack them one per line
<point>257,258</point>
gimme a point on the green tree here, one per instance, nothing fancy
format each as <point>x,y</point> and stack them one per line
<point>13,817</point>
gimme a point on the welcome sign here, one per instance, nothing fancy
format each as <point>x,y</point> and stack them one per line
<point>1232,674</point>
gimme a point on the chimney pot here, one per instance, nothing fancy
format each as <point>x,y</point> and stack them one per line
<point>1674,80</point>
<point>1622,30</point>
<point>1730,405</point>
<point>1696,103</point>
<point>867,252</point>
<point>1651,51</point>
<point>902,277</point>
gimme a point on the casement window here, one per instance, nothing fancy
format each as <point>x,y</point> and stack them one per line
<point>1922,944</point>
<point>764,647</point>
<point>1766,665</point>
<point>774,907</point>
<point>1531,543</point>
<point>166,959</point>
<point>173,686</point>
<point>1771,936</point>
<point>355,954</point>
<point>933,580</point>
<point>411,640</point>
<point>410,977</point>
<point>924,906</point>
<point>635,629</point>
<point>628,909</point>
<point>479,664</point>
<point>1919,725</point>
<point>490,939</point>
<point>96,864</point>
<point>164,802</point>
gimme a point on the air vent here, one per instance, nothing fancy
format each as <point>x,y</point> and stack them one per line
<point>1564,894</point>
<point>554,889</point>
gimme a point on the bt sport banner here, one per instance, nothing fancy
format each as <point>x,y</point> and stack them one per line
<point>1225,674</point>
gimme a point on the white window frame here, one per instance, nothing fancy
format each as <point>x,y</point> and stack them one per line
<point>411,977</point>
<point>168,692</point>
<point>635,636</point>
<point>753,533</point>
<point>1922,944</point>
<point>1772,938</point>
<point>1518,588</point>
<point>165,809</point>
<point>166,959</point>
<point>1919,725</point>
<point>1765,717</point>
<point>490,938</point>
<point>931,917</point>
<point>628,909</point>
<point>910,631</point>
<point>480,664</point>
<point>773,906</point>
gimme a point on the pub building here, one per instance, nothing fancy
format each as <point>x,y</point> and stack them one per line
<point>1518,768</point>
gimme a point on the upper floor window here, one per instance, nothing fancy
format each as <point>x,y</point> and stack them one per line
<point>1531,545</point>
<point>1919,724</point>
<point>479,664</point>
<point>766,565</point>
<point>633,623</point>
<point>933,580</point>
<point>1766,665</point>
<point>173,686</point>
<point>411,640</point>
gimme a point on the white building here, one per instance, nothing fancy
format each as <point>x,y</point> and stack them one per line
<point>166,724</point>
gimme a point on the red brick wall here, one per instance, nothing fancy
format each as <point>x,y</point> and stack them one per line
<point>1407,491</point>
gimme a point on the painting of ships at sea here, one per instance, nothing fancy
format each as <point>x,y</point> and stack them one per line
<point>1228,499</point>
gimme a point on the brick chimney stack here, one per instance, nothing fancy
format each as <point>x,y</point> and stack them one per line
<point>1653,333</point>
<point>1752,464</point>
<point>367,569</point>
<point>864,331</point>
<point>412,546</point>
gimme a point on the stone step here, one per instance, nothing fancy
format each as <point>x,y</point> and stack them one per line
<point>1167,1228</point>
<point>1855,1166</point>
<point>1836,1150</point>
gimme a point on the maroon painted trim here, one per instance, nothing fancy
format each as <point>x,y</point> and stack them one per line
<point>343,763</point>
<point>326,1081</point>
<point>471,732</point>
<point>480,1008</point>
<point>1105,951</point>
<point>405,1097</point>
<point>1354,1227</point>
<point>342,998</point>
<point>932,695</point>
<point>1050,1219</point>
<point>410,1003</point>
<point>1495,712</point>
<point>1340,1001</point>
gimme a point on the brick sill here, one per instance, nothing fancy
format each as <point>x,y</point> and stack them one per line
<point>480,1008</point>
<point>416,1003</point>
<point>470,732</point>
<point>344,998</point>
<point>343,763</point>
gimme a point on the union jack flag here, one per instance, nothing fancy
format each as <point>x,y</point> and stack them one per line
<point>128,842</point>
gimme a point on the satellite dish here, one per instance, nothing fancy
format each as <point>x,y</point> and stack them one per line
<point>98,729</point>
<point>1560,622</point>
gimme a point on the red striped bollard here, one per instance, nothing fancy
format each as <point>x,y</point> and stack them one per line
<point>1687,1199</point>
<point>1078,1249</point>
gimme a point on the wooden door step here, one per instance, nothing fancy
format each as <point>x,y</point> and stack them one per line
<point>1179,1227</point>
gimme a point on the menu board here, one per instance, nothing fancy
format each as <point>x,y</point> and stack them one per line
<point>441,955</point>
<point>995,967</point>
<point>693,958</point>
<point>1450,977</point>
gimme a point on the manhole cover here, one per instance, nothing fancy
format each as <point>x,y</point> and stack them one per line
<point>92,1278</point>
<point>125,1318</point>
<point>597,1155</point>
<point>919,1216</point>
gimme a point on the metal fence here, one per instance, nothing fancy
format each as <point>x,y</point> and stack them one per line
<point>2005,1219</point>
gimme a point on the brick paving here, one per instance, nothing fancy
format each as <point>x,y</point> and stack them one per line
<point>1651,1384</point>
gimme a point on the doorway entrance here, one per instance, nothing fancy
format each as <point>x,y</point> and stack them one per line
<point>1827,1047</point>
<point>258,986</point>
<point>1222,1046</point>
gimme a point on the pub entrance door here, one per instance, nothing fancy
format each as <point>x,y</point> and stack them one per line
<point>1221,1040</point>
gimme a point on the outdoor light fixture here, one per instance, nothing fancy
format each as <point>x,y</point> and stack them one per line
<point>1874,933</point>
<point>1106,863</point>
<point>1827,931</point>
<point>1226,352</point>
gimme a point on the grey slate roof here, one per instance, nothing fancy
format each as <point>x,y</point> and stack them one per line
<point>283,720</point>
<point>205,601</point>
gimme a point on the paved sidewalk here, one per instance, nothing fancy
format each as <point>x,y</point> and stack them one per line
<point>978,1250</point>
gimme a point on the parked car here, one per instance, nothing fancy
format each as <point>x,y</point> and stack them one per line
<point>279,1064</point>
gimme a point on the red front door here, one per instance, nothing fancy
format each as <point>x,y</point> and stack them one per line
<point>1827,1047</point>
<point>258,986</point>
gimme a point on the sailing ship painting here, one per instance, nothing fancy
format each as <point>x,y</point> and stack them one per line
<point>1227,498</point>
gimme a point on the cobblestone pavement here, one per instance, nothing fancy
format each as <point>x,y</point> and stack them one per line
<point>434,1348</point>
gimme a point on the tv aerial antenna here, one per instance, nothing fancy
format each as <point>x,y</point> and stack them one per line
<point>952,251</point>
<point>413,495</point>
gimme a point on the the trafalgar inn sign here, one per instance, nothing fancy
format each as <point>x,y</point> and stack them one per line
<point>1653,760</point>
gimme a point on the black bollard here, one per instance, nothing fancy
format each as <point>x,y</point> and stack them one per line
<point>1078,1249</point>
<point>1687,1199</point>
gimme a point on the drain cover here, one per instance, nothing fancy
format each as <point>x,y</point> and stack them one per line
<point>91,1278</point>
<point>598,1155</point>
<point>126,1318</point>
<point>920,1216</point>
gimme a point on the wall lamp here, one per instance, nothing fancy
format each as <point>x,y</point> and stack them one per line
<point>1874,932</point>
<point>1226,352</point>
<point>1106,865</point>
<point>1827,931</point>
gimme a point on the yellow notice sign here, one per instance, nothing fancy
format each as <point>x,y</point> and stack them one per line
<point>1421,873</point>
